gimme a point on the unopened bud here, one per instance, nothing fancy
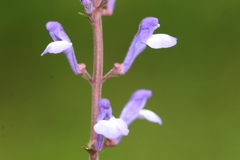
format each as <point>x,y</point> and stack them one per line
<point>87,5</point>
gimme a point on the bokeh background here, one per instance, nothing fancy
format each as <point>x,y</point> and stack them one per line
<point>45,109</point>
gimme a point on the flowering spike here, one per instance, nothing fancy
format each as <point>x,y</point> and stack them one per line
<point>109,8</point>
<point>87,5</point>
<point>61,43</point>
<point>145,37</point>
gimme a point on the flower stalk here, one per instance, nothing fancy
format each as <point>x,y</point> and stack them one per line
<point>97,70</point>
<point>106,130</point>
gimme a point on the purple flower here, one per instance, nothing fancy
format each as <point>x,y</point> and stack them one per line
<point>61,43</point>
<point>107,125</point>
<point>146,37</point>
<point>134,109</point>
<point>108,9</point>
<point>87,5</point>
<point>112,128</point>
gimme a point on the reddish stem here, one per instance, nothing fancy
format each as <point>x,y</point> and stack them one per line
<point>97,70</point>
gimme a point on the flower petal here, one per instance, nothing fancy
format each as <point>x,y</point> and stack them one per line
<point>57,47</point>
<point>56,31</point>
<point>150,116</point>
<point>157,41</point>
<point>121,125</point>
<point>112,128</point>
<point>135,104</point>
<point>105,110</point>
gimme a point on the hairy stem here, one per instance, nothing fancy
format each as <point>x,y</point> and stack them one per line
<point>97,71</point>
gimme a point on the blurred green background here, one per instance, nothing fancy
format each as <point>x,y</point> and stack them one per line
<point>45,109</point>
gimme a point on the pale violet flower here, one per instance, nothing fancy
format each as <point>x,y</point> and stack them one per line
<point>146,37</point>
<point>114,129</point>
<point>107,125</point>
<point>134,109</point>
<point>61,43</point>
